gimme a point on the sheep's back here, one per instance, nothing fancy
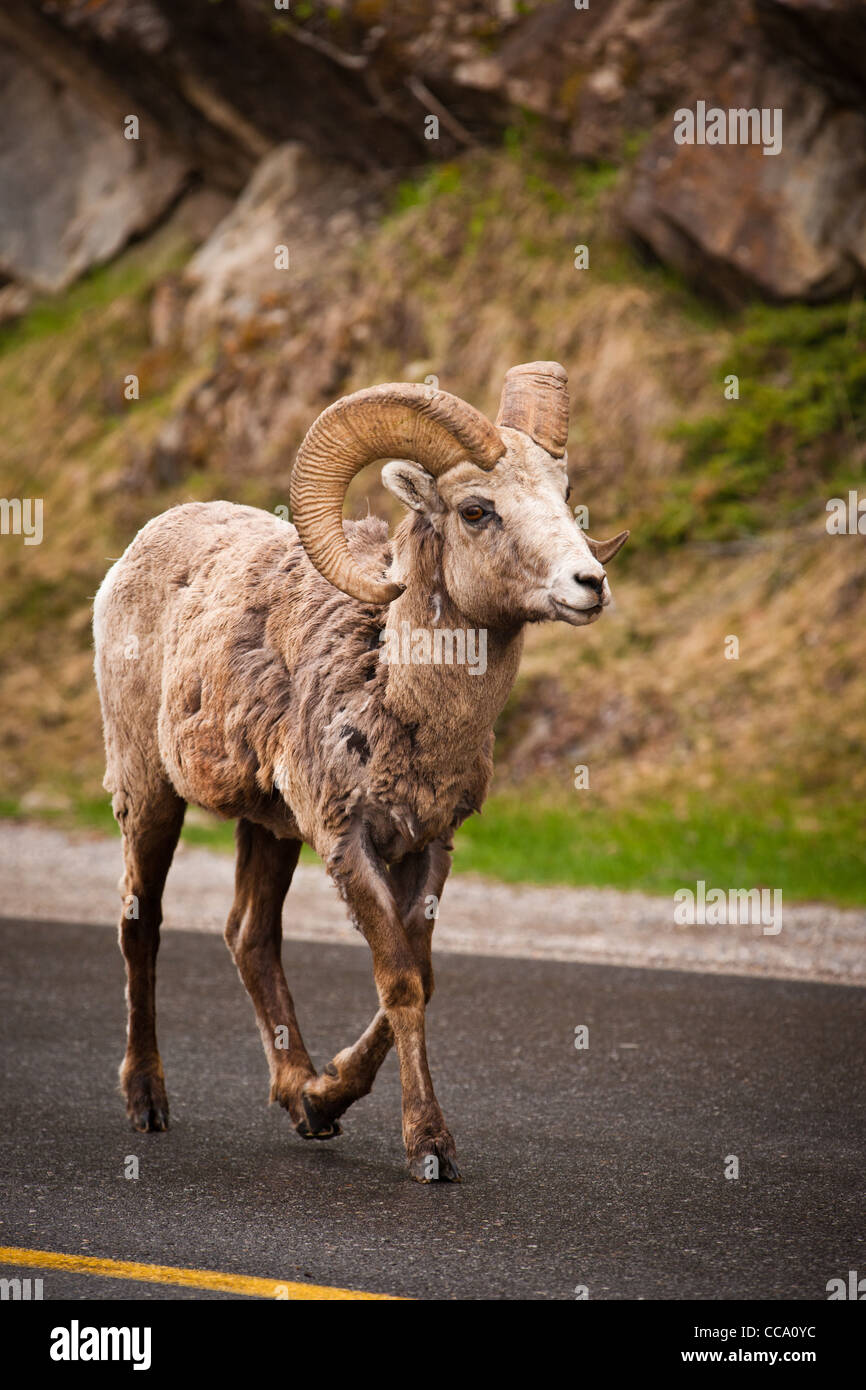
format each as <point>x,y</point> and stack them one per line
<point>233,626</point>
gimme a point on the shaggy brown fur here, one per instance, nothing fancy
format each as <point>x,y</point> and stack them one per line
<point>232,675</point>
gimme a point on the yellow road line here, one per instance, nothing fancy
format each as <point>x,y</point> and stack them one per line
<point>169,1274</point>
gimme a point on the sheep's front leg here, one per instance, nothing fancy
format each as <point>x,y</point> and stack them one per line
<point>417,882</point>
<point>264,870</point>
<point>403,975</point>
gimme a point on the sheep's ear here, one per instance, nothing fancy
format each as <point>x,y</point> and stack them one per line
<point>411,485</point>
<point>605,550</point>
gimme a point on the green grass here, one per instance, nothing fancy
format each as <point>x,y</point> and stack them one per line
<point>200,829</point>
<point>131,275</point>
<point>657,850</point>
<point>654,849</point>
<point>792,438</point>
<point>438,181</point>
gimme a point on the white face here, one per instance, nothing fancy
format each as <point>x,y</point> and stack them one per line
<point>513,552</point>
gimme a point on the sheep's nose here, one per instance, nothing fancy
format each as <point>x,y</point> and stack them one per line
<point>592,581</point>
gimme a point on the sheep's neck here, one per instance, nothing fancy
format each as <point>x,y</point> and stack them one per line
<point>454,704</point>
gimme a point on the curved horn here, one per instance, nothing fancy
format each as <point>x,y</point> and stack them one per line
<point>399,420</point>
<point>535,400</point>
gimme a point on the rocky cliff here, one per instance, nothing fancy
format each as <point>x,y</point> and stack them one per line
<point>215,86</point>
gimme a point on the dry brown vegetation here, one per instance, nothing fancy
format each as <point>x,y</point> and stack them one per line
<point>467,272</point>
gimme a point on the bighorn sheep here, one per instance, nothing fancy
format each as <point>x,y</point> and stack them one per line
<point>258,692</point>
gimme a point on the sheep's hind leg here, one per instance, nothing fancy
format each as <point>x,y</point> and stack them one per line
<point>265,866</point>
<point>416,880</point>
<point>389,908</point>
<point>150,834</point>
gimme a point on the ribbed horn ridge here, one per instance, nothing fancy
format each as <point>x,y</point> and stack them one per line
<point>535,400</point>
<point>398,420</point>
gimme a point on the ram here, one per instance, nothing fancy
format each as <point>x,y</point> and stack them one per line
<point>258,690</point>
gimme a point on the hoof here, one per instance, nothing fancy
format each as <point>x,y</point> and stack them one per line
<point>314,1125</point>
<point>434,1167</point>
<point>146,1102</point>
<point>151,1118</point>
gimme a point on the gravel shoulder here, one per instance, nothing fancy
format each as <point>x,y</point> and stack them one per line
<point>48,874</point>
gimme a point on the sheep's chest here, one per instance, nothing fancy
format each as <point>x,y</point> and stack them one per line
<point>395,831</point>
<point>405,817</point>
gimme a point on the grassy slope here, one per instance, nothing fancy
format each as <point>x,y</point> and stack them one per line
<point>740,772</point>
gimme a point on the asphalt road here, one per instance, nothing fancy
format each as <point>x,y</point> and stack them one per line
<point>602,1168</point>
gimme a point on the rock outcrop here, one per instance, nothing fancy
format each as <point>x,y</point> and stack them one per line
<point>74,188</point>
<point>297,214</point>
<point>218,87</point>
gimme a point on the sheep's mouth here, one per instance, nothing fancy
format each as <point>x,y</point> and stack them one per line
<point>578,617</point>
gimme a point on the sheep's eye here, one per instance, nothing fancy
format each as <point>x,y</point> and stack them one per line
<point>472,513</point>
